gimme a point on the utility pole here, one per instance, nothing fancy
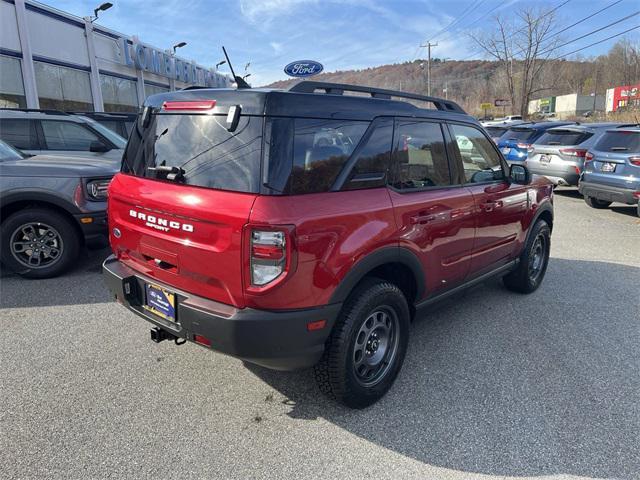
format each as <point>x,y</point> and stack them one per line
<point>595,91</point>
<point>429,45</point>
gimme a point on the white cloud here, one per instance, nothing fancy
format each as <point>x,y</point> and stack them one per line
<point>261,11</point>
<point>277,47</point>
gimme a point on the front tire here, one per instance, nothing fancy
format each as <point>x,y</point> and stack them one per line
<point>595,203</point>
<point>38,243</point>
<point>367,346</point>
<point>528,275</point>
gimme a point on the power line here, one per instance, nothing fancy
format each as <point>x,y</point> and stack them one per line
<point>591,33</point>
<point>471,8</point>
<point>598,42</point>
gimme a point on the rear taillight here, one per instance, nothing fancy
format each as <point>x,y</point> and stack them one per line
<point>574,152</point>
<point>635,161</point>
<point>588,157</point>
<point>199,105</point>
<point>268,256</point>
<point>525,146</point>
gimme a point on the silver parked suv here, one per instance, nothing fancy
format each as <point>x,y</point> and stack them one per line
<point>50,132</point>
<point>560,152</point>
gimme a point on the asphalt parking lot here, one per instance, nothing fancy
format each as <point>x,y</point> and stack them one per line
<point>495,384</point>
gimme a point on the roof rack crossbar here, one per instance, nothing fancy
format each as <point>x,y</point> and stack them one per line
<point>339,89</point>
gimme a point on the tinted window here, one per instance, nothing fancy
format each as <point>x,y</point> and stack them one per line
<point>372,162</point>
<point>19,133</point>
<point>521,134</point>
<point>7,152</point>
<point>563,137</point>
<point>60,135</point>
<point>420,157</point>
<point>209,155</point>
<point>619,141</point>
<point>480,161</point>
<point>496,131</point>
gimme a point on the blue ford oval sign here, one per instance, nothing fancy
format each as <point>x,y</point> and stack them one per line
<point>303,68</point>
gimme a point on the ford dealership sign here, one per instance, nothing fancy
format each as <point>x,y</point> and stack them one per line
<point>303,68</point>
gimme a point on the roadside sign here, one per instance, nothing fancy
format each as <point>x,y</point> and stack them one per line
<point>486,106</point>
<point>501,102</point>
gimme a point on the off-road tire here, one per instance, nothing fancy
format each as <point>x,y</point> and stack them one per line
<point>60,225</point>
<point>336,374</point>
<point>528,275</point>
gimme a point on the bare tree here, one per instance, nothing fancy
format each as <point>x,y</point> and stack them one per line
<point>522,47</point>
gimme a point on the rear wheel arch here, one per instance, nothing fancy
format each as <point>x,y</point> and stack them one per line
<point>396,265</point>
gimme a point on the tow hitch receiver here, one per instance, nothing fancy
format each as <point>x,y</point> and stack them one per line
<point>158,335</point>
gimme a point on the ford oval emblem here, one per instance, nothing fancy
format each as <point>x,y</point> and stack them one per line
<point>303,68</point>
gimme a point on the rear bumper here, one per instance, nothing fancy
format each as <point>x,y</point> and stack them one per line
<point>559,176</point>
<point>95,232</point>
<point>608,193</point>
<point>274,339</point>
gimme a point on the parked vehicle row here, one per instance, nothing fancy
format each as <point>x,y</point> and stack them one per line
<point>602,159</point>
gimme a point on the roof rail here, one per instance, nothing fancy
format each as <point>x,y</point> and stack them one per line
<point>39,110</point>
<point>340,88</point>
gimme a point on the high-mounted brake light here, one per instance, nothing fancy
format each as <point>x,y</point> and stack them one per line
<point>635,160</point>
<point>199,105</point>
<point>524,146</point>
<point>574,152</point>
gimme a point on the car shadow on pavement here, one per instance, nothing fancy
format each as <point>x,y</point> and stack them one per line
<point>505,384</point>
<point>78,286</point>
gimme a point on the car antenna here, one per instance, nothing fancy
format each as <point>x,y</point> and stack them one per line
<point>240,82</point>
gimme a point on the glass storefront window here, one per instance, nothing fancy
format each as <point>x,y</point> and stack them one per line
<point>118,94</point>
<point>11,87</point>
<point>153,89</point>
<point>63,88</point>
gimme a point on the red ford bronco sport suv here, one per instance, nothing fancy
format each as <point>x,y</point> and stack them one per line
<point>309,227</point>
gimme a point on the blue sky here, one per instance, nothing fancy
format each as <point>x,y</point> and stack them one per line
<point>341,34</point>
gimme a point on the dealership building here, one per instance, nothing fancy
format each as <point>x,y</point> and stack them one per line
<point>50,59</point>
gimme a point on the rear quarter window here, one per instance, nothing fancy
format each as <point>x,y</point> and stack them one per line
<point>619,141</point>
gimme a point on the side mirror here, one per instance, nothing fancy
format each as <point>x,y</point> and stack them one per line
<point>519,174</point>
<point>98,147</point>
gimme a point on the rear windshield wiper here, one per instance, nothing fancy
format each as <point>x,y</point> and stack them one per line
<point>171,173</point>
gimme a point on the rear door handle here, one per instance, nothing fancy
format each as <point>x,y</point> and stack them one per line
<point>490,205</point>
<point>422,219</point>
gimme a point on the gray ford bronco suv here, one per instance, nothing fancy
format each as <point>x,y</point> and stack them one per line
<point>50,207</point>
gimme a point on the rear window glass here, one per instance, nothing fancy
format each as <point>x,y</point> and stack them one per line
<point>619,142</point>
<point>208,154</point>
<point>306,155</point>
<point>563,137</point>
<point>496,131</point>
<point>521,134</point>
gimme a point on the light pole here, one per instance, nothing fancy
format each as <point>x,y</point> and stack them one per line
<point>177,46</point>
<point>219,64</point>
<point>105,6</point>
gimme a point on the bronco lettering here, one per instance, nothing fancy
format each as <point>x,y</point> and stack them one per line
<point>160,223</point>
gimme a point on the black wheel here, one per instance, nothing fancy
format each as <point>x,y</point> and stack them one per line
<point>595,203</point>
<point>367,346</point>
<point>528,275</point>
<point>38,243</point>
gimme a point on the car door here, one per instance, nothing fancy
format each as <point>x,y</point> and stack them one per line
<point>500,205</point>
<point>433,210</point>
<point>68,138</point>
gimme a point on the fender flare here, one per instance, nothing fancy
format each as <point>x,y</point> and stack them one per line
<point>33,195</point>
<point>385,255</point>
<point>543,207</point>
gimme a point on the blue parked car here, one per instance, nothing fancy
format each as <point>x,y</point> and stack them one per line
<point>515,142</point>
<point>612,169</point>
